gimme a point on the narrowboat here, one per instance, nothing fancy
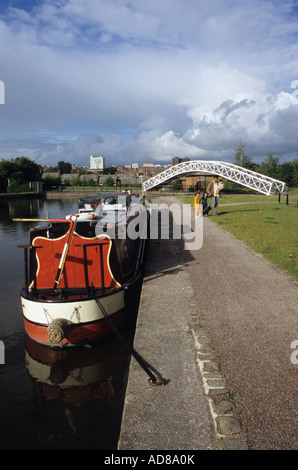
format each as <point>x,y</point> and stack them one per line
<point>78,270</point>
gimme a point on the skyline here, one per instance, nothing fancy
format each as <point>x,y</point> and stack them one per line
<point>145,83</point>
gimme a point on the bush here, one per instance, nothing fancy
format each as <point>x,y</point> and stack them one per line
<point>18,188</point>
<point>76,181</point>
<point>176,186</point>
<point>50,181</point>
<point>109,181</point>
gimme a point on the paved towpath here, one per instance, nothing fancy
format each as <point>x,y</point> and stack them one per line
<point>249,308</point>
<point>218,323</point>
<point>175,416</point>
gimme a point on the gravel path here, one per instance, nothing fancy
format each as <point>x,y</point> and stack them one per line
<point>243,311</point>
<point>249,308</point>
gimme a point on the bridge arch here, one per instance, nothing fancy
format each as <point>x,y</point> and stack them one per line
<point>251,179</point>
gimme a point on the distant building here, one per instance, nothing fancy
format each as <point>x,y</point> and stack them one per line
<point>97,163</point>
<point>177,160</point>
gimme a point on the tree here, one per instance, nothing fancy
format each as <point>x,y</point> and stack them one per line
<point>270,166</point>
<point>110,170</point>
<point>286,173</point>
<point>295,172</point>
<point>241,158</point>
<point>64,167</point>
<point>19,171</point>
<point>3,183</point>
<point>6,170</point>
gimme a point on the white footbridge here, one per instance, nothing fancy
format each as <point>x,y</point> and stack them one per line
<point>256,181</point>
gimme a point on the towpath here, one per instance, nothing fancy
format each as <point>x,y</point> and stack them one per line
<point>219,323</point>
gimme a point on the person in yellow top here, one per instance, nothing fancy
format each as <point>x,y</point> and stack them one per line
<point>197,204</point>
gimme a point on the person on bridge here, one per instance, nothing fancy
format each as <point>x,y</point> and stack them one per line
<point>213,192</point>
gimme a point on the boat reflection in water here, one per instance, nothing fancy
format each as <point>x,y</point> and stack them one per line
<point>79,393</point>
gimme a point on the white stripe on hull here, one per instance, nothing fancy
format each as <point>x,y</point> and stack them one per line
<point>77,311</point>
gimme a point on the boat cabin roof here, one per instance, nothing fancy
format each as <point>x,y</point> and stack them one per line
<point>105,198</point>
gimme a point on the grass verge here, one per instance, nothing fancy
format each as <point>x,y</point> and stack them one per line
<point>270,229</point>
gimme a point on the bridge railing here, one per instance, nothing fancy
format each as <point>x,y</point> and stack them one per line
<point>251,179</point>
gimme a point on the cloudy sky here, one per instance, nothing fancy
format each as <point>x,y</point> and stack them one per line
<point>144,81</point>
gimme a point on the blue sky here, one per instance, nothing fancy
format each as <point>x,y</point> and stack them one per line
<point>146,81</point>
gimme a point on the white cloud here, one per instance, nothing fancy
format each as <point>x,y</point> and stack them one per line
<point>144,81</point>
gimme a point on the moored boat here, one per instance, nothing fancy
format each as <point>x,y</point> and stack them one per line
<point>77,272</point>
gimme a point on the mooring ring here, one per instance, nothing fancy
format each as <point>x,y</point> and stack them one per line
<point>156,383</point>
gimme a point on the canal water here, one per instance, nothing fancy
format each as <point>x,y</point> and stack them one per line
<point>53,399</point>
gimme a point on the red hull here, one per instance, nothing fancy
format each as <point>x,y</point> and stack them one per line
<point>79,334</point>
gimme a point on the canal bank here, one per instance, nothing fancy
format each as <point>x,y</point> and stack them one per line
<point>180,415</point>
<point>175,415</point>
<point>218,324</point>
<point>8,196</point>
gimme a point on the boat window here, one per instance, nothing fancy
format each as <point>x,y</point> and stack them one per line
<point>109,200</point>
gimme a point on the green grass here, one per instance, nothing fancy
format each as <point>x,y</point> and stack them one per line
<point>270,229</point>
<point>229,199</point>
<point>249,198</point>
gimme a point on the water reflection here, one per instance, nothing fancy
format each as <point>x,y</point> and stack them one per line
<point>18,207</point>
<point>81,387</point>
